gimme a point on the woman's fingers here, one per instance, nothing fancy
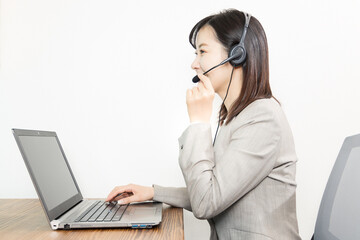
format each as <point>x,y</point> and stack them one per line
<point>127,200</point>
<point>122,195</point>
<point>191,94</point>
<point>111,196</point>
<point>195,91</point>
<point>201,87</point>
<point>188,93</point>
<point>117,190</point>
<point>199,100</point>
<point>204,87</point>
<point>131,193</point>
<point>205,82</point>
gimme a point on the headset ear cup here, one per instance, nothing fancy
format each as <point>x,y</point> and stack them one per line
<point>240,52</point>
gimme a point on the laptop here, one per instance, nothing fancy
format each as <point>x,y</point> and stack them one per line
<point>60,194</point>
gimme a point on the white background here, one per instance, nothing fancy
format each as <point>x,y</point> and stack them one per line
<point>110,78</point>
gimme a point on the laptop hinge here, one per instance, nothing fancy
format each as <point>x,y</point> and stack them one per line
<point>68,210</point>
<point>54,224</point>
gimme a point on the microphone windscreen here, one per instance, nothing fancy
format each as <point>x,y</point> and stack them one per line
<point>196,79</point>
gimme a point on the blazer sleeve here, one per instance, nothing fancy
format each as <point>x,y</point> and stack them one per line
<point>177,197</point>
<point>213,186</point>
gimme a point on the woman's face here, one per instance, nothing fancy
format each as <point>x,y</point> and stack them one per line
<point>209,53</point>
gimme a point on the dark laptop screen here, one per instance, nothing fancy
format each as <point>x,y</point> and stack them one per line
<point>49,169</point>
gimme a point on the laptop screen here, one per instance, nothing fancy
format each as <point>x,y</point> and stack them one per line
<point>49,170</point>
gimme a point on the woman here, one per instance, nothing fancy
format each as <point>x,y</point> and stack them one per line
<point>244,184</point>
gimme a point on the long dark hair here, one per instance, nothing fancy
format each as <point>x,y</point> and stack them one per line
<point>228,26</point>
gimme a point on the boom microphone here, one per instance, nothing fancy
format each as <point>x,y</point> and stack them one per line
<point>197,79</point>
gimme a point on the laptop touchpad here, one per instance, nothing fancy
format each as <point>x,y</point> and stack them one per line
<point>142,214</point>
<point>144,211</point>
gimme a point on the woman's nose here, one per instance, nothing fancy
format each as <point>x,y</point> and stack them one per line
<point>195,64</point>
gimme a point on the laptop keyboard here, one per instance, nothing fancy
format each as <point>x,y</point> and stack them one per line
<point>101,211</point>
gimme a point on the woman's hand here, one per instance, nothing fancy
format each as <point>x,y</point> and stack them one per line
<point>199,100</point>
<point>135,193</point>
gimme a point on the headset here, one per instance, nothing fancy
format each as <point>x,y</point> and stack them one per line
<point>236,57</point>
<point>237,54</point>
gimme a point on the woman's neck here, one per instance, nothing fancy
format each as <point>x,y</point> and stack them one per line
<point>234,90</point>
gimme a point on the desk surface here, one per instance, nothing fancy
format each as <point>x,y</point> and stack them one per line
<point>25,219</point>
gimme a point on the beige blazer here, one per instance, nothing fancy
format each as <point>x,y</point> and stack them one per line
<point>244,185</point>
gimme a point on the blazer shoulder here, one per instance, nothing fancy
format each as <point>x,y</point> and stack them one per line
<point>259,110</point>
<point>264,105</point>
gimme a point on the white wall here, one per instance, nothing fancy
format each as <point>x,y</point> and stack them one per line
<point>110,77</point>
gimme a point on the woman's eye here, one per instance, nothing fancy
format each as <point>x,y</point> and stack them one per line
<point>201,52</point>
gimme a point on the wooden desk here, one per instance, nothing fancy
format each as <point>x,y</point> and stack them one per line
<point>25,219</point>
